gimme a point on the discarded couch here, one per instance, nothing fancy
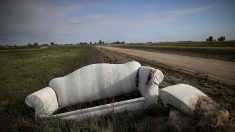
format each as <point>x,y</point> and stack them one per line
<point>97,81</point>
<point>100,81</point>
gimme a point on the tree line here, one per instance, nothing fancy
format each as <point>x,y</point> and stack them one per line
<point>210,39</point>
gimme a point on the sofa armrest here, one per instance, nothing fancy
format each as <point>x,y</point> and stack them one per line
<point>43,101</point>
<point>149,79</point>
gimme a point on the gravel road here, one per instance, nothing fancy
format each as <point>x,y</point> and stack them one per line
<point>219,69</point>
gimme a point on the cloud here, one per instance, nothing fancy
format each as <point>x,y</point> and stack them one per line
<point>144,19</point>
<point>190,10</point>
<point>23,21</point>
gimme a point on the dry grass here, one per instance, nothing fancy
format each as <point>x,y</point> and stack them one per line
<point>209,116</point>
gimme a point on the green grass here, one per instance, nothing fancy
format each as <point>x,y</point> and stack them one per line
<point>25,71</point>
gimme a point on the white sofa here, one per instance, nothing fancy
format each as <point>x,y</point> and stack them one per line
<point>97,81</point>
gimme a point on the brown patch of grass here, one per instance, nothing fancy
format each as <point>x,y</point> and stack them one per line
<point>209,116</point>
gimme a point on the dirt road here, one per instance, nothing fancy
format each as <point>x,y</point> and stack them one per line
<point>219,69</point>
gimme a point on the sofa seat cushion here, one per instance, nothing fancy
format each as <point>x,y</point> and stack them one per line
<point>182,96</point>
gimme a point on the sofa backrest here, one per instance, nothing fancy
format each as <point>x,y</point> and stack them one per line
<point>95,82</point>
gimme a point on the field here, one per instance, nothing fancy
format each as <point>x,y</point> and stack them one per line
<point>25,71</point>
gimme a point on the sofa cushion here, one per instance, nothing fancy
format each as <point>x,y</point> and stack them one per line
<point>182,96</point>
<point>94,82</point>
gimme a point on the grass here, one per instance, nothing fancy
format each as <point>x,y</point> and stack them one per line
<point>25,71</point>
<point>208,116</point>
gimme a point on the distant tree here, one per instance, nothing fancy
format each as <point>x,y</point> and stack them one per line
<point>29,44</point>
<point>222,38</point>
<point>35,44</point>
<point>123,42</point>
<point>83,43</point>
<point>90,42</point>
<point>210,39</point>
<point>52,43</point>
<point>100,41</point>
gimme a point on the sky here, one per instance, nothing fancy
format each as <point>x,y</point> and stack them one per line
<point>73,21</point>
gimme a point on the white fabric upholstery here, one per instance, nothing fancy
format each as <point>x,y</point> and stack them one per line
<point>43,101</point>
<point>182,96</point>
<point>149,79</point>
<point>94,82</point>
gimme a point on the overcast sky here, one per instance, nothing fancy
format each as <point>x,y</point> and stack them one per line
<point>72,21</point>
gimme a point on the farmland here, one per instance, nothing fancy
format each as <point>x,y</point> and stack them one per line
<point>25,71</point>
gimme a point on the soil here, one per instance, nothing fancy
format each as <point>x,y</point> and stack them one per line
<point>218,53</point>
